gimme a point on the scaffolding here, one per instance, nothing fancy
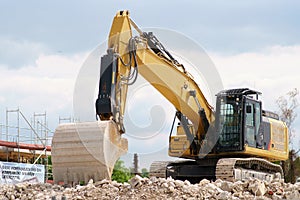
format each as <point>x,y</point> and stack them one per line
<point>25,141</point>
<point>67,120</point>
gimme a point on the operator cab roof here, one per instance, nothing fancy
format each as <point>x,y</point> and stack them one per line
<point>239,92</point>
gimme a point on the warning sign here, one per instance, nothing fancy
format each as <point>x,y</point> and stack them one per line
<point>11,172</point>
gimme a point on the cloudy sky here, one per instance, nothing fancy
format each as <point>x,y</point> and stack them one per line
<point>44,45</point>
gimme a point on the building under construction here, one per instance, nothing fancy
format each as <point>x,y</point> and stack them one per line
<point>24,140</point>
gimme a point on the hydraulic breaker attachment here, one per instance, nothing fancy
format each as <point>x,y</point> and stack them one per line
<point>105,104</point>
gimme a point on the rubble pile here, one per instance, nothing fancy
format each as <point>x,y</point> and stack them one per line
<point>155,188</point>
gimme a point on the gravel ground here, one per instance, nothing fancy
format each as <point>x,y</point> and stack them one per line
<point>155,188</point>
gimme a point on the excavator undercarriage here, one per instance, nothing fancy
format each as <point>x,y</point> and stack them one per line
<point>229,169</point>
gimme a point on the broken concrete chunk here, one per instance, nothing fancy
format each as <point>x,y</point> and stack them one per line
<point>136,181</point>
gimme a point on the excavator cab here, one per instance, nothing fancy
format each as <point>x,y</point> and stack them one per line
<point>238,119</point>
<point>244,128</point>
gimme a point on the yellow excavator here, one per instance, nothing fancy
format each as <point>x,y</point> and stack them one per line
<point>237,140</point>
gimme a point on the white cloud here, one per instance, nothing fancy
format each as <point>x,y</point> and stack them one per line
<point>273,71</point>
<point>46,85</point>
<point>148,118</point>
<point>19,53</point>
<point>2,99</point>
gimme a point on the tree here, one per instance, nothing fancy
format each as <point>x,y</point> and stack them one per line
<point>121,174</point>
<point>297,167</point>
<point>145,173</point>
<point>287,112</point>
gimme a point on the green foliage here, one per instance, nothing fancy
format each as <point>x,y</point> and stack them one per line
<point>50,175</point>
<point>49,160</point>
<point>121,174</point>
<point>145,173</point>
<point>40,161</point>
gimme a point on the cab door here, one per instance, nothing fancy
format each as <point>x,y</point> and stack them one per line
<point>252,118</point>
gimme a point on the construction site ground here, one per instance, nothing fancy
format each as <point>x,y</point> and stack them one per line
<point>155,188</point>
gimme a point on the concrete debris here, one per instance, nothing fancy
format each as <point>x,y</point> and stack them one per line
<point>257,187</point>
<point>155,188</point>
<point>136,181</point>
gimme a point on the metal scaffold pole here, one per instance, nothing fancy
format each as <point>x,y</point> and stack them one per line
<point>18,139</point>
<point>18,132</point>
<point>6,130</point>
<point>43,132</point>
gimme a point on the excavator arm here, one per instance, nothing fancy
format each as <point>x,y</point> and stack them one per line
<point>127,57</point>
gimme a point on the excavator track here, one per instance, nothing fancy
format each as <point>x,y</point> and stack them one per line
<point>184,170</point>
<point>233,169</point>
<point>158,169</point>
